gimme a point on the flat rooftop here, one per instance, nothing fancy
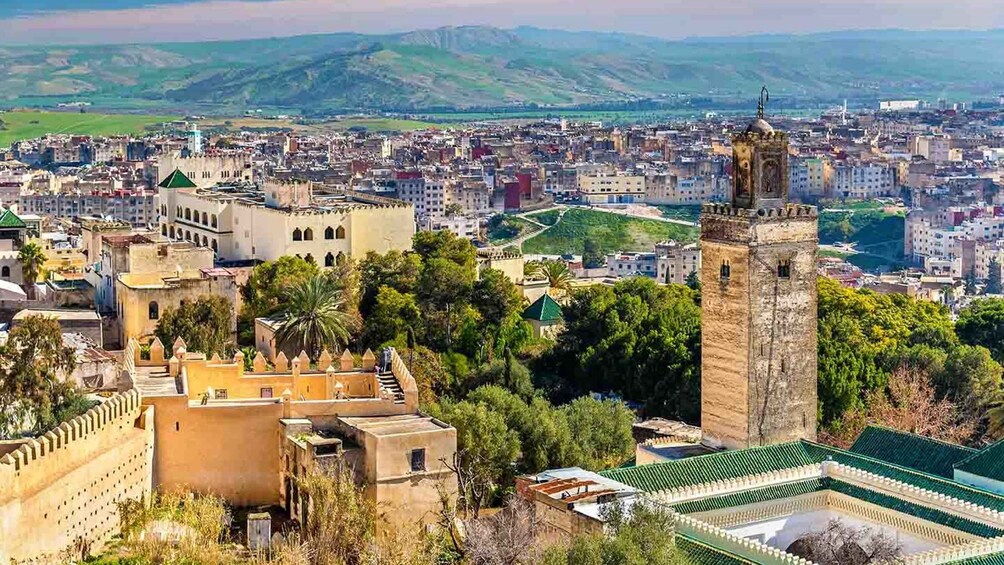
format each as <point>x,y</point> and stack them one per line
<point>62,315</point>
<point>382,426</point>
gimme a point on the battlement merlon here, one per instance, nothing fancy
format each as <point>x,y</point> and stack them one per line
<point>728,224</point>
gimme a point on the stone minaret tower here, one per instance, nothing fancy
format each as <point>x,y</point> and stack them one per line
<point>758,287</point>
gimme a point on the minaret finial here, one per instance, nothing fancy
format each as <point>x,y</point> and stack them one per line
<point>764,98</point>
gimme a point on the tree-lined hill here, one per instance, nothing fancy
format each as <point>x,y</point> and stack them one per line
<point>467,67</point>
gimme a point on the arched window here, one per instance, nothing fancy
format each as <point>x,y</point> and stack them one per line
<point>329,259</point>
<point>215,247</point>
<point>308,235</point>
<point>154,311</point>
<point>213,221</point>
<point>205,241</point>
<point>205,219</point>
<point>5,272</point>
<point>172,232</point>
<point>329,233</point>
<point>340,258</point>
<point>310,259</point>
<point>188,235</point>
<point>178,214</point>
<point>726,270</point>
<point>188,213</point>
<point>340,233</point>
<point>783,269</point>
<point>163,209</point>
<point>297,235</point>
<point>163,229</point>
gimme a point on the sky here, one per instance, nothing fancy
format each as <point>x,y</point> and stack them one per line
<point>129,21</point>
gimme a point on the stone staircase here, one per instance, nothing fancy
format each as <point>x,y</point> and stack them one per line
<point>389,382</point>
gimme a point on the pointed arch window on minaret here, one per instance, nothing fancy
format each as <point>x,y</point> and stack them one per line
<point>726,271</point>
<point>784,269</point>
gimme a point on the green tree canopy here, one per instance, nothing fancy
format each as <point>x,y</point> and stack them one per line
<point>637,339</point>
<point>392,314</point>
<point>592,255</point>
<point>393,269</point>
<point>205,324</point>
<point>982,323</point>
<point>262,293</point>
<point>864,336</point>
<point>495,297</point>
<point>602,430</point>
<point>34,395</point>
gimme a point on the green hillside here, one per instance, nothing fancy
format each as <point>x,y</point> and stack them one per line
<point>483,67</point>
<point>15,126</point>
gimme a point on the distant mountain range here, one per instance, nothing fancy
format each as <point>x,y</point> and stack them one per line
<point>485,67</point>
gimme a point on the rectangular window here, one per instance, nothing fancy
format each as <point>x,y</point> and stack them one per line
<point>266,392</point>
<point>417,460</point>
<point>221,394</point>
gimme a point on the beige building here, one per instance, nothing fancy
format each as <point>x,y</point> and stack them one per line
<point>144,297</point>
<point>285,219</point>
<point>269,426</point>
<point>207,170</point>
<point>612,188</point>
<point>675,261</point>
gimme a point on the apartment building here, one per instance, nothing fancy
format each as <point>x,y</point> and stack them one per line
<point>862,182</point>
<point>606,188</point>
<point>138,209</point>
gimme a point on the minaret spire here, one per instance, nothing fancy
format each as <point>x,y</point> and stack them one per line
<point>764,99</point>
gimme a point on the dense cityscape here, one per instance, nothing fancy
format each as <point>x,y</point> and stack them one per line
<point>743,334</point>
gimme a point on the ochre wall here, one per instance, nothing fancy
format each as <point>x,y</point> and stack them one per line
<point>66,484</point>
<point>229,449</point>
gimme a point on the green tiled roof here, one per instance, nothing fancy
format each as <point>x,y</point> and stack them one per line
<point>713,467</point>
<point>752,496</point>
<point>911,450</point>
<point>758,460</point>
<point>699,553</point>
<point>545,309</point>
<point>10,220</point>
<point>988,462</point>
<point>177,179</point>
<point>922,512</point>
<point>992,559</point>
<point>923,480</point>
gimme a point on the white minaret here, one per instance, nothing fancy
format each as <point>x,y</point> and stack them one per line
<point>195,140</point>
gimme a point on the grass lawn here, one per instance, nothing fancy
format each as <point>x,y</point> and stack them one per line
<point>20,125</point>
<point>511,228</point>
<point>612,232</point>
<point>688,213</point>
<point>547,217</point>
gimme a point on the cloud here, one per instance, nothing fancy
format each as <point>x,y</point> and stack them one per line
<point>177,20</point>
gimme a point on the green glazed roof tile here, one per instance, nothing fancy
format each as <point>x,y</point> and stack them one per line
<point>911,450</point>
<point>988,462</point>
<point>177,179</point>
<point>545,309</point>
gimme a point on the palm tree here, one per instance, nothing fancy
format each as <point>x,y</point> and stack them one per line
<point>557,274</point>
<point>31,258</point>
<point>313,318</point>
<point>532,270</point>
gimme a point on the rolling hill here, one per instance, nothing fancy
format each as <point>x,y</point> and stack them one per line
<point>479,67</point>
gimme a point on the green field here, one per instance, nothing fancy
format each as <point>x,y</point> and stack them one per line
<point>382,124</point>
<point>18,125</point>
<point>613,232</point>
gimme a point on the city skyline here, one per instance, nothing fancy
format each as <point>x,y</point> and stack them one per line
<point>134,21</point>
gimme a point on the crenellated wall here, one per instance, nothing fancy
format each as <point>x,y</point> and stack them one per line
<point>64,486</point>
